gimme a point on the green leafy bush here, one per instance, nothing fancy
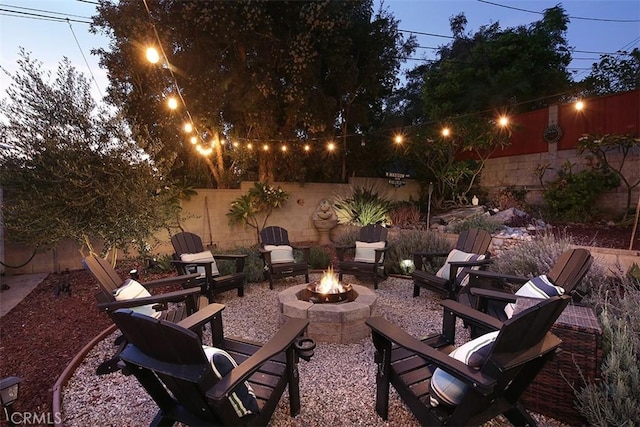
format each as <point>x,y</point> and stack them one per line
<point>614,399</point>
<point>319,258</point>
<point>363,206</point>
<point>572,196</point>
<point>482,221</point>
<point>404,243</point>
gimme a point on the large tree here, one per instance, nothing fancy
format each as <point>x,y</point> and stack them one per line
<point>476,78</point>
<point>613,73</point>
<point>69,169</point>
<point>252,72</point>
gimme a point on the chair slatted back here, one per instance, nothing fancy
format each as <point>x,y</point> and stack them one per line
<point>528,328</point>
<point>474,241</point>
<point>570,268</point>
<point>373,233</point>
<point>186,243</point>
<point>171,356</point>
<point>108,279</point>
<point>274,235</point>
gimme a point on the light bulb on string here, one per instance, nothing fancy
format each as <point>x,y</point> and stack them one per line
<point>307,147</point>
<point>283,148</point>
<point>249,146</point>
<point>188,127</point>
<point>265,147</point>
<point>204,151</point>
<point>172,103</point>
<point>579,106</point>
<point>235,144</point>
<point>446,132</point>
<point>152,55</point>
<point>398,139</point>
<point>503,121</point>
<point>331,146</point>
<point>194,140</point>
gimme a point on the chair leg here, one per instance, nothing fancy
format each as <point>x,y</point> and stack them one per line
<point>241,290</point>
<point>271,282</point>
<point>416,290</point>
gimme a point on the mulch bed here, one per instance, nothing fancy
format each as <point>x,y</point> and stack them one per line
<point>41,335</point>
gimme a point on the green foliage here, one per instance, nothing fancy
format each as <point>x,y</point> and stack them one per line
<point>363,206</point>
<point>255,207</point>
<point>614,399</point>
<point>253,264</point>
<point>482,221</point>
<point>71,170</point>
<point>284,70</point>
<point>619,72</point>
<point>602,146</point>
<point>319,258</point>
<point>572,196</point>
<point>405,242</point>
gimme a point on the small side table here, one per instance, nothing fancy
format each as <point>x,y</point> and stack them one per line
<point>579,359</point>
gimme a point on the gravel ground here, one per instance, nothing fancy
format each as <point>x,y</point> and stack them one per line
<point>337,386</point>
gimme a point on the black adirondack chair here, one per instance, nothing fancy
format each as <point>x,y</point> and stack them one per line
<point>171,364</point>
<point>278,258</point>
<point>487,291</point>
<point>185,243</point>
<point>472,241</point>
<point>373,240</point>
<point>492,386</point>
<point>187,300</point>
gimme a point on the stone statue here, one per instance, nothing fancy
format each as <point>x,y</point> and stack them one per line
<point>324,219</point>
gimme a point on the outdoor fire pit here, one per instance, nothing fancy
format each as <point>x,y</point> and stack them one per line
<point>336,312</point>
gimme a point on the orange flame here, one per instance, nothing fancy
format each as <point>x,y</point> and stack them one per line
<point>329,283</point>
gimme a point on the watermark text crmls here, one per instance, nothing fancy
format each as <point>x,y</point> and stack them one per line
<point>33,418</point>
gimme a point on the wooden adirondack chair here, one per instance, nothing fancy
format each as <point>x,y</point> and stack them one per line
<point>471,250</point>
<point>369,249</point>
<point>187,300</point>
<point>178,372</point>
<point>190,256</point>
<point>486,290</point>
<point>277,252</point>
<point>424,374</point>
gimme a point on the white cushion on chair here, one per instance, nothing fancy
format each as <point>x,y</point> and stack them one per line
<point>205,256</point>
<point>132,290</point>
<point>280,253</point>
<point>366,252</point>
<point>459,256</point>
<point>243,399</point>
<point>445,388</point>
<point>538,287</point>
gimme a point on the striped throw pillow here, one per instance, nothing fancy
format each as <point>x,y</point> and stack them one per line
<point>540,287</point>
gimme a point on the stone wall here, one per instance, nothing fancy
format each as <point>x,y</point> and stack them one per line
<point>517,171</point>
<point>206,216</point>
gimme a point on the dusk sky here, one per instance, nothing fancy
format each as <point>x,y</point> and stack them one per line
<point>596,27</point>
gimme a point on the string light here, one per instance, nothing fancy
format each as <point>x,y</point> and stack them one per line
<point>283,148</point>
<point>579,106</point>
<point>331,146</point>
<point>172,103</point>
<point>194,140</point>
<point>503,121</point>
<point>250,146</point>
<point>307,147</point>
<point>152,55</point>
<point>188,127</point>
<point>446,132</point>
<point>398,139</point>
<point>236,144</point>
<point>265,147</point>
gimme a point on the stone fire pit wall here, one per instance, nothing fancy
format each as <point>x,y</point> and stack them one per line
<point>341,323</point>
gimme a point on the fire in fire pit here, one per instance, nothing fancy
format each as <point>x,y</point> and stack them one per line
<point>328,289</point>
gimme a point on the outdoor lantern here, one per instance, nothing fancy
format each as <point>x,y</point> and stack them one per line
<point>9,394</point>
<point>407,266</point>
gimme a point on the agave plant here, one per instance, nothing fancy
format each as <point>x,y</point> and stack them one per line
<point>364,206</point>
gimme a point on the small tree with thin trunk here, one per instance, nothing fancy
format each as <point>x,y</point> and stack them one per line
<point>70,169</point>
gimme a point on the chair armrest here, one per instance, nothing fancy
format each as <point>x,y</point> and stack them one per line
<point>419,257</point>
<point>202,316</point>
<point>283,339</point>
<point>493,295</point>
<point>238,258</point>
<point>171,280</point>
<point>477,263</point>
<point>176,296</point>
<point>471,315</point>
<point>496,277</point>
<point>394,334</point>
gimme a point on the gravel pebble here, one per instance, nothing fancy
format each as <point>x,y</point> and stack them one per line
<point>337,386</point>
